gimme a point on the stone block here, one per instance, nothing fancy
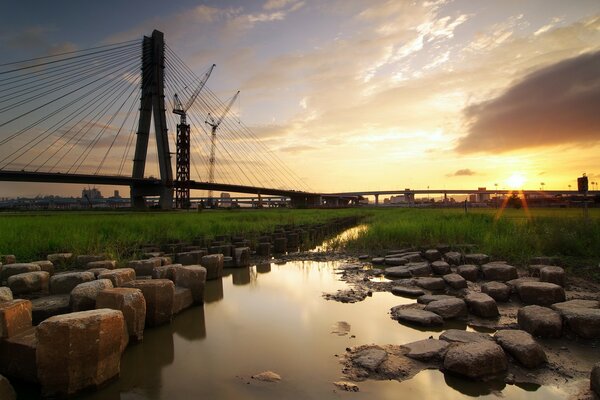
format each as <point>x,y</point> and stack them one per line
<point>79,351</point>
<point>453,258</point>
<point>97,271</point>
<point>45,265</point>
<point>554,275</point>
<point>482,305</point>
<point>83,260</point>
<point>499,272</point>
<point>18,357</point>
<point>192,277</point>
<point>477,259</point>
<point>64,283</point>
<point>131,303</point>
<point>165,271</point>
<point>9,270</point>
<point>497,291</point>
<point>522,347</point>
<point>106,264</point>
<point>83,296</point>
<point>241,256</point>
<point>144,267</point>
<point>476,360</point>
<point>61,259</point>
<point>214,266</point>
<point>440,268</point>
<point>448,308</point>
<point>455,281</point>
<point>468,271</point>
<point>541,293</point>
<point>8,259</point>
<point>431,283</point>
<point>540,321</point>
<point>158,294</point>
<point>15,317</point>
<point>29,282</point>
<point>45,307</point>
<point>182,299</point>
<point>5,294</point>
<point>432,255</point>
<point>263,249</point>
<point>119,276</point>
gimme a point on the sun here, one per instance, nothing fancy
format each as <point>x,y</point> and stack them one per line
<point>516,180</point>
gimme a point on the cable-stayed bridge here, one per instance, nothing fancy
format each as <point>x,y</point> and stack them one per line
<point>112,115</point>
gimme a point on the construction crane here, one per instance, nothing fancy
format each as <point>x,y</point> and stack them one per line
<point>214,124</point>
<point>182,190</point>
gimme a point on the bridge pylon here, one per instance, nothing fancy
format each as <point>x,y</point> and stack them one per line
<point>152,104</point>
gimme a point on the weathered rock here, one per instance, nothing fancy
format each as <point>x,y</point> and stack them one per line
<point>64,283</point>
<point>449,308</point>
<point>144,267</point>
<point>15,317</point>
<point>585,322</point>
<point>476,360</point>
<point>18,357</point>
<point>62,259</point>
<point>428,298</point>
<point>97,271</point>
<point>431,283</point>
<point>460,336</point>
<point>45,265</point>
<point>106,264</point>
<point>432,255</point>
<point>164,260</point>
<point>567,305</point>
<point>453,258</point>
<point>427,349</point>
<point>419,269</point>
<point>8,259</point>
<point>499,272</point>
<point>182,299</point>
<point>405,291</point>
<point>9,270</point>
<point>84,259</point>
<point>214,266</point>
<point>440,268</point>
<point>497,291</point>
<point>165,271</point>
<point>49,306</point>
<point>158,294</point>
<point>595,379</point>
<point>514,284</point>
<point>378,260</point>
<point>29,282</point>
<point>187,258</point>
<point>415,316</point>
<point>192,277</point>
<point>554,275</point>
<point>346,386</point>
<point>468,271</point>
<point>540,321</point>
<point>119,276</point>
<point>455,281</point>
<point>79,350</point>
<point>541,293</point>
<point>534,270</point>
<point>267,376</point>
<point>482,305</point>
<point>5,294</point>
<point>397,272</point>
<point>395,261</point>
<point>6,390</point>
<point>370,359</point>
<point>477,258</point>
<point>83,296</point>
<point>241,256</point>
<point>522,347</point>
<point>131,303</point>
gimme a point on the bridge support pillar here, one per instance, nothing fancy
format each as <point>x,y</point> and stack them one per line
<point>377,199</point>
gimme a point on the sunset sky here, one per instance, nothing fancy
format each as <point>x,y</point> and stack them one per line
<point>365,95</point>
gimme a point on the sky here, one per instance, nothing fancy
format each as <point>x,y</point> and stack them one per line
<point>368,95</point>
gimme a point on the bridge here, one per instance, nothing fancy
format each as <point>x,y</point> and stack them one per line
<point>85,117</point>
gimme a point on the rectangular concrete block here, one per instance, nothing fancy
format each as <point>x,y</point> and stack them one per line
<point>214,266</point>
<point>131,303</point>
<point>29,282</point>
<point>158,294</point>
<point>165,271</point>
<point>15,317</point>
<point>144,267</point>
<point>18,356</point>
<point>45,265</point>
<point>192,277</point>
<point>119,276</point>
<point>182,300</point>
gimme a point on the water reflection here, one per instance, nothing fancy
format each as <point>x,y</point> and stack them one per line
<point>190,324</point>
<point>263,268</point>
<point>213,291</point>
<point>241,276</point>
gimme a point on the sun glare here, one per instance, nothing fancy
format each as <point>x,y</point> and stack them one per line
<point>516,181</point>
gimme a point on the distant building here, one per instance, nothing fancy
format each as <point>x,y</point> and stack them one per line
<point>91,194</point>
<point>225,200</point>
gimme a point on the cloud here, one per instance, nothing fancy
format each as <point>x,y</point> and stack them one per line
<point>463,172</point>
<point>554,105</point>
<point>276,4</point>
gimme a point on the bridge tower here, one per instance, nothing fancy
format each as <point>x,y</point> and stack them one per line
<point>152,104</point>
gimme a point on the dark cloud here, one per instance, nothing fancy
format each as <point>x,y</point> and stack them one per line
<point>557,104</point>
<point>463,172</point>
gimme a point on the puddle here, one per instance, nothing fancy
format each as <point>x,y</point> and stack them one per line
<point>337,241</point>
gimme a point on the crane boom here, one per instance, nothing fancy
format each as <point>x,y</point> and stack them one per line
<point>215,124</point>
<point>182,109</point>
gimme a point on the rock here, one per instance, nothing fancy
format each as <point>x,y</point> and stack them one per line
<point>567,305</point>
<point>534,270</point>
<point>6,390</point>
<point>455,281</point>
<point>144,267</point>
<point>45,265</point>
<point>395,261</point>
<point>83,259</point>
<point>476,360</point>
<point>192,277</point>
<point>514,284</point>
<point>363,257</point>
<point>482,305</point>
<point>407,291</point>
<point>541,293</point>
<point>554,275</point>
<point>182,299</point>
<point>397,272</point>
<point>522,347</point>
<point>499,272</point>
<point>545,260</point>
<point>449,308</point>
<point>29,282</point>
<point>453,258</point>
<point>79,350</point>
<point>165,271</point>
<point>585,322</point>
<point>416,316</point>
<point>477,259</point>
<point>432,255</point>
<point>15,317</point>
<point>61,259</point>
<point>460,336</point>
<point>83,296</point>
<point>18,357</point>
<point>595,379</point>
<point>440,268</point>
<point>187,258</point>
<point>427,349</point>
<point>540,321</point>
<point>97,271</point>
<point>5,294</point>
<point>64,283</point>
<point>214,266</point>
<point>49,306</point>
<point>106,264</point>
<point>158,294</point>
<point>431,283</point>
<point>8,259</point>
<point>119,276</point>
<point>267,376</point>
<point>469,272</point>
<point>378,261</point>
<point>131,303</point>
<point>370,359</point>
<point>346,386</point>
<point>497,291</point>
<point>9,270</point>
<point>419,269</point>
<point>428,298</point>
